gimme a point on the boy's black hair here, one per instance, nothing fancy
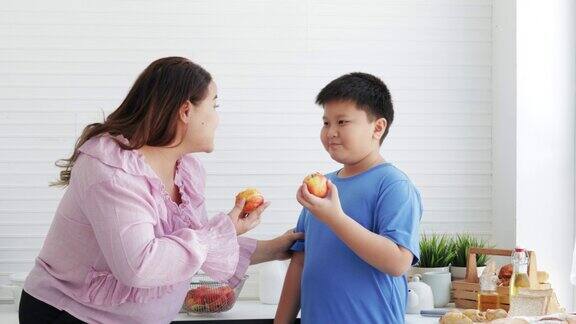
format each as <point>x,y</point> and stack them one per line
<point>368,92</point>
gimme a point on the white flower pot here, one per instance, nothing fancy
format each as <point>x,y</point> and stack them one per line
<point>460,272</point>
<point>419,270</point>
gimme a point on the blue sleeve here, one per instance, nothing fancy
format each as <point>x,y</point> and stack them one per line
<point>398,213</point>
<point>298,246</point>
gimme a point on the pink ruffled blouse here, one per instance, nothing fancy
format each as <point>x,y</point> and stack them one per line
<point>121,251</point>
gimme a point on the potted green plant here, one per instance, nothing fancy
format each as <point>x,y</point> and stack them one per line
<point>461,243</point>
<point>436,254</point>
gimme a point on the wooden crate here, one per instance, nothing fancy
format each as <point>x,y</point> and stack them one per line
<point>465,291</point>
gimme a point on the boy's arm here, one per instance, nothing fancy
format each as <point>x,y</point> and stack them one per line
<point>289,304</point>
<point>379,251</point>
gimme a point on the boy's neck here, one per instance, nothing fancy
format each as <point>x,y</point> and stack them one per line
<point>364,164</point>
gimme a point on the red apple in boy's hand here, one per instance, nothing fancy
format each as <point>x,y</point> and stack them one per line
<point>316,183</point>
<point>253,199</point>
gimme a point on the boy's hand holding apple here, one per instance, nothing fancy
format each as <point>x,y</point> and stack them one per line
<point>320,196</point>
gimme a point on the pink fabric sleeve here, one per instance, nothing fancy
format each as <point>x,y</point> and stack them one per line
<point>247,248</point>
<point>220,258</point>
<point>123,217</point>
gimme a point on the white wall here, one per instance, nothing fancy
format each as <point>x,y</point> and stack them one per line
<point>534,103</point>
<point>504,123</point>
<point>63,62</point>
<point>546,83</point>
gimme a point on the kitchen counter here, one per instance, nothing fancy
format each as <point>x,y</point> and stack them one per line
<point>252,311</point>
<point>245,311</point>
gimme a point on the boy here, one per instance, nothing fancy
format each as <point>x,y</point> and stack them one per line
<point>363,236</point>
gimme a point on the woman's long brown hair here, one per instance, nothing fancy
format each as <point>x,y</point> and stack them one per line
<point>149,113</point>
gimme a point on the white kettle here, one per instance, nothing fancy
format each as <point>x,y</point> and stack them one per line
<point>419,296</point>
<point>271,280</point>
<point>14,289</point>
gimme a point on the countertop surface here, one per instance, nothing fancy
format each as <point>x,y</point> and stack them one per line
<point>247,311</point>
<point>253,309</point>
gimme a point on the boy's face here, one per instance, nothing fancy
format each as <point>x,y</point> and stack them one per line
<point>347,135</point>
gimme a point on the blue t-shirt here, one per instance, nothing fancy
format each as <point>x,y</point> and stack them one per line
<point>339,287</point>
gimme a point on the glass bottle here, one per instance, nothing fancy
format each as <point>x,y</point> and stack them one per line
<point>520,271</point>
<point>488,297</point>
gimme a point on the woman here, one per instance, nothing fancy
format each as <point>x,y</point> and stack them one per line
<point>132,229</point>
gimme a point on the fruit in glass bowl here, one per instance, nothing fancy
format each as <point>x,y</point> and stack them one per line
<point>209,296</point>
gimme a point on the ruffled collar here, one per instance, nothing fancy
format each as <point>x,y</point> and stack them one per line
<point>105,148</point>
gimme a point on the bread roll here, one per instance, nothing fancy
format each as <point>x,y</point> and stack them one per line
<point>493,314</point>
<point>543,277</point>
<point>506,272</point>
<point>474,314</point>
<point>455,317</point>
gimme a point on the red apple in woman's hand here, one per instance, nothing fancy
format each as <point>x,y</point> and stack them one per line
<point>316,183</point>
<point>253,199</point>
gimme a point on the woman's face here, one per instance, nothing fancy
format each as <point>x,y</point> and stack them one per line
<point>200,122</point>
